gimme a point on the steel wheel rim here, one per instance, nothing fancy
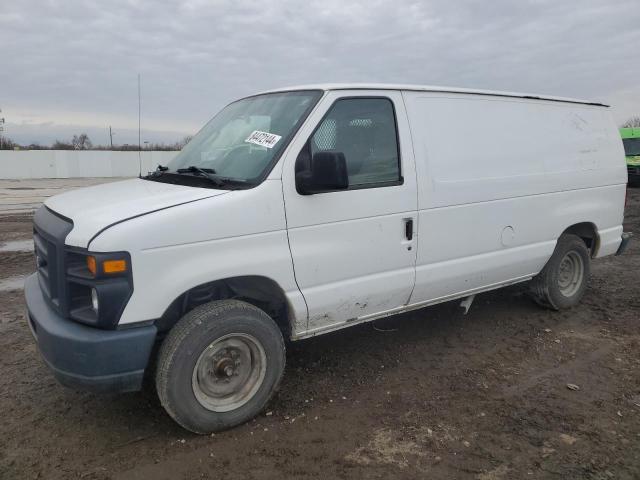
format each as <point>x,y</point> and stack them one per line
<point>570,274</point>
<point>229,372</point>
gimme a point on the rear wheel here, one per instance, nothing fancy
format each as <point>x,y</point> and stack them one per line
<point>563,280</point>
<point>219,366</point>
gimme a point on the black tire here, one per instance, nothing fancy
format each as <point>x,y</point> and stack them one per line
<point>553,287</point>
<point>203,330</point>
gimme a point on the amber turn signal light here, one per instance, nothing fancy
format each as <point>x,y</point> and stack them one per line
<point>107,266</point>
<point>91,265</point>
<point>114,266</point>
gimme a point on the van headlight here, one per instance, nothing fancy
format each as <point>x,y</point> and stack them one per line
<point>99,285</point>
<point>94,300</point>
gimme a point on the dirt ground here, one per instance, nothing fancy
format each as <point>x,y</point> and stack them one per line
<point>430,394</point>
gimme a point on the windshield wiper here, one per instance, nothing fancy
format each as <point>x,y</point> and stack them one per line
<point>160,169</point>
<point>208,173</point>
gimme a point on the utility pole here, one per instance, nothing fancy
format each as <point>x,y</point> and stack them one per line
<point>139,115</point>
<point>139,129</point>
<point>1,131</point>
<point>110,137</point>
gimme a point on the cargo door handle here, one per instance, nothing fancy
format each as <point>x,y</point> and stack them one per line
<point>408,228</point>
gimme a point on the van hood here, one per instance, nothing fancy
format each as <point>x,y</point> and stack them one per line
<point>96,208</point>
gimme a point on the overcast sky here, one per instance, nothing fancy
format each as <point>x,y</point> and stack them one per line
<point>71,66</point>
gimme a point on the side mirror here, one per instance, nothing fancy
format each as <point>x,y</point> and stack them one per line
<point>327,172</point>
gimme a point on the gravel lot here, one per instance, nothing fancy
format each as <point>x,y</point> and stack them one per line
<point>429,394</point>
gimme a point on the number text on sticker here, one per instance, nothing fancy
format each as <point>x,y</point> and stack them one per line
<point>264,139</point>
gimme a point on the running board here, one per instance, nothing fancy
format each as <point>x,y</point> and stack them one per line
<point>406,308</point>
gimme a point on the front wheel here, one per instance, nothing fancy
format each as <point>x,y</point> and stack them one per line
<point>563,280</point>
<point>219,366</point>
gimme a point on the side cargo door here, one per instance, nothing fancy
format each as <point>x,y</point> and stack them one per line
<point>354,250</point>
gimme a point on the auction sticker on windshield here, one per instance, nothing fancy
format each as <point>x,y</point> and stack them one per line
<point>264,139</point>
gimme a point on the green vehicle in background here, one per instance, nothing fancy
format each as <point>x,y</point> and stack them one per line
<point>631,141</point>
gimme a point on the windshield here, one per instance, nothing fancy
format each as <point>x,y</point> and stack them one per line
<point>243,140</point>
<point>631,146</point>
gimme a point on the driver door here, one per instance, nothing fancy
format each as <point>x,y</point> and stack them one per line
<point>354,249</point>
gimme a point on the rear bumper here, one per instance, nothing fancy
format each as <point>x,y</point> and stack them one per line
<point>84,357</point>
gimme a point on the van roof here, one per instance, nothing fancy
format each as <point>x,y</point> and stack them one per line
<point>430,88</point>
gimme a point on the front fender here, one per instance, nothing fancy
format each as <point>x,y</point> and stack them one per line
<point>242,233</point>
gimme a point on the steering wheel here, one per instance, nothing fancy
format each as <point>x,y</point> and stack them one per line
<point>234,150</point>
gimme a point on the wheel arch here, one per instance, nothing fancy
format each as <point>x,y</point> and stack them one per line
<point>260,291</point>
<point>588,232</point>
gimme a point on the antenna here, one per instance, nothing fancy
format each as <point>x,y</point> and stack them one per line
<point>1,131</point>
<point>139,136</point>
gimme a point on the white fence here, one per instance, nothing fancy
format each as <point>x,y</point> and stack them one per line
<point>78,163</point>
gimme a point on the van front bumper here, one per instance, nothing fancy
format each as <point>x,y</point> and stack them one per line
<point>85,357</point>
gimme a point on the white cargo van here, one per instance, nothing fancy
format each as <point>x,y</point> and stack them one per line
<point>305,210</point>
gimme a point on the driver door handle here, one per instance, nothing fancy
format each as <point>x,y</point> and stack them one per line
<point>408,228</point>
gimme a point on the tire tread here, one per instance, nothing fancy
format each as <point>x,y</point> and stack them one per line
<point>171,345</point>
<point>541,285</point>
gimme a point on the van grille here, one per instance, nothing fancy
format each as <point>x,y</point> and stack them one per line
<point>45,251</point>
<point>49,233</point>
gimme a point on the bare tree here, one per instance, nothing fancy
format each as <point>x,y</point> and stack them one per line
<point>60,145</point>
<point>632,122</point>
<point>179,145</point>
<point>161,146</point>
<point>81,142</point>
<point>8,144</point>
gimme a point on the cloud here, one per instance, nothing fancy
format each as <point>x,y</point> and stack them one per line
<point>76,61</point>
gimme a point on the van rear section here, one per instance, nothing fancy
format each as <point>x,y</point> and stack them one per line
<point>495,197</point>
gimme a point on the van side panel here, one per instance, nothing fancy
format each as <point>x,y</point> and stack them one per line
<point>500,179</point>
<point>470,251</point>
